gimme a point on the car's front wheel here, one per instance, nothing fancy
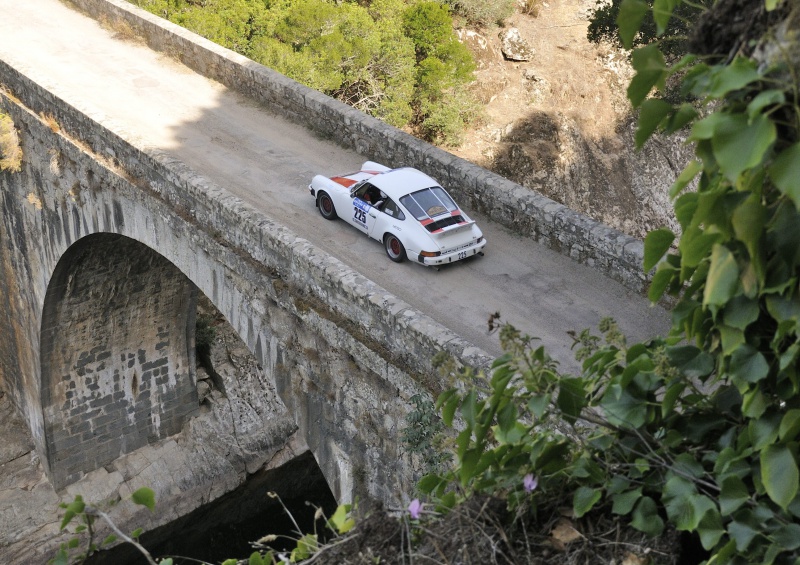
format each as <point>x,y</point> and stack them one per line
<point>394,249</point>
<point>326,207</point>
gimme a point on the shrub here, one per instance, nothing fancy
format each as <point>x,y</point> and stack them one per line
<point>699,431</point>
<point>482,13</point>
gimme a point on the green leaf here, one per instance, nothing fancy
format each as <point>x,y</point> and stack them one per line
<point>651,114</point>
<point>429,483</point>
<point>469,463</point>
<point>681,117</point>
<point>109,540</point>
<point>584,499</point>
<point>710,529</point>
<point>732,495</point>
<point>656,243</point>
<point>764,430</point>
<point>748,221</point>
<point>748,366</point>
<point>731,338</point>
<point>145,497</point>
<point>661,280</point>
<point>651,70</point>
<point>790,425</point>
<point>306,547</point>
<point>695,246</point>
<point>785,173</point>
<point>167,561</point>
<point>341,521</point>
<point>739,144</point>
<point>61,558</point>
<point>684,506</point>
<point>571,398</point>
<point>723,277</point>
<point>624,502</point>
<point>256,559</point>
<point>469,408</point>
<point>622,408</point>
<point>754,403</point>
<point>662,11</point>
<point>692,361</point>
<point>779,474</point>
<point>449,409</point>
<point>763,99</point>
<point>742,533</point>
<point>687,175</point>
<point>629,20</point>
<point>738,74</point>
<point>136,533</point>
<point>538,404</point>
<point>645,517</point>
<point>788,536</point>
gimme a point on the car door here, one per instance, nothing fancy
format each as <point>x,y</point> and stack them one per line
<point>363,214</point>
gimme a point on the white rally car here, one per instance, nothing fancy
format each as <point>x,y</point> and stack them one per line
<point>403,208</point>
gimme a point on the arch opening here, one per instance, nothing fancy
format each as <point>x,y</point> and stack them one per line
<point>117,354</point>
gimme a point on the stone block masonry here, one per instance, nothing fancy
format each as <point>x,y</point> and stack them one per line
<point>522,210</point>
<point>123,375</point>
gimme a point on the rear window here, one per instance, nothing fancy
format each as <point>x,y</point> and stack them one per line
<point>428,202</point>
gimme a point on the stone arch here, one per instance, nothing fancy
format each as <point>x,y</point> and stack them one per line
<point>117,354</point>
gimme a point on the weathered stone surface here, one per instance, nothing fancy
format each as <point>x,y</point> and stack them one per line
<point>513,46</point>
<point>121,375</point>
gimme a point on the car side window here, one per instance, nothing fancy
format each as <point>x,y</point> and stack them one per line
<point>391,208</point>
<point>362,190</point>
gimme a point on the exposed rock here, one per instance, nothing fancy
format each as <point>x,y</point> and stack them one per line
<point>513,46</point>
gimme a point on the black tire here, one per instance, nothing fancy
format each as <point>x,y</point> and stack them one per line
<point>325,205</point>
<point>394,248</point>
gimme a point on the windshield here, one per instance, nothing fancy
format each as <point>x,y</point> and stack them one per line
<point>428,202</point>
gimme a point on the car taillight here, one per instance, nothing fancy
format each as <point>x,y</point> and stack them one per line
<point>479,240</point>
<point>430,253</point>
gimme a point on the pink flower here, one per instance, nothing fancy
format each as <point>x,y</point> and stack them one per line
<point>530,482</point>
<point>415,508</point>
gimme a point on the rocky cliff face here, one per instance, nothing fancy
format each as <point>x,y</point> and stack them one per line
<point>605,179</point>
<point>559,122</point>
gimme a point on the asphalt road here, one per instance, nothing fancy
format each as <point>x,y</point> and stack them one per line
<point>268,162</point>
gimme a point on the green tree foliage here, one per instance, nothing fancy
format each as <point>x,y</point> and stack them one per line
<point>699,431</point>
<point>396,60</point>
<point>443,66</point>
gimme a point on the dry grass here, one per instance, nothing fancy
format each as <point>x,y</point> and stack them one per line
<point>51,122</point>
<point>10,149</point>
<point>120,29</point>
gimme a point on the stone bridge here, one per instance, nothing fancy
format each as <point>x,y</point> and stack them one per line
<point>105,246</point>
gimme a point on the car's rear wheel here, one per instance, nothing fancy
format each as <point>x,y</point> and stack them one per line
<point>326,207</point>
<point>394,249</point>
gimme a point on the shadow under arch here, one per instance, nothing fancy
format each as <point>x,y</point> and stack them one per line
<point>117,354</point>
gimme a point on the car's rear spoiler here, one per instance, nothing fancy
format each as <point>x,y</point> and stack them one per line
<point>455,228</point>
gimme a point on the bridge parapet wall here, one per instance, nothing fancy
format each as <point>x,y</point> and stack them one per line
<point>526,212</point>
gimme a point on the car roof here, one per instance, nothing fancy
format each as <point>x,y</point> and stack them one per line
<point>396,183</point>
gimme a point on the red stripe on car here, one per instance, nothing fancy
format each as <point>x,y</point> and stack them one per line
<point>345,182</point>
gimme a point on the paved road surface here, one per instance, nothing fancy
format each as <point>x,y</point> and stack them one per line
<point>269,162</point>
